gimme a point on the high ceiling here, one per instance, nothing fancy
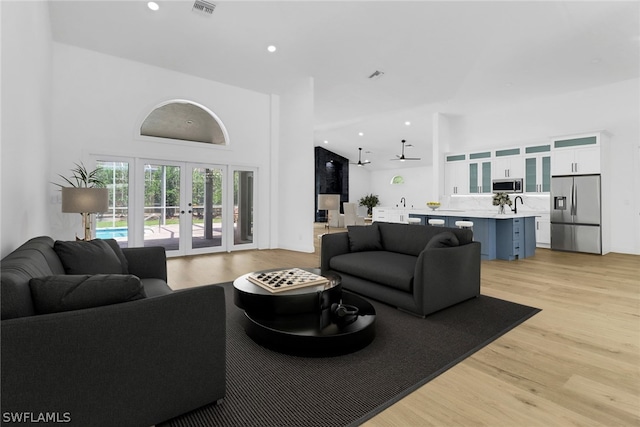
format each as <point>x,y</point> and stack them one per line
<point>452,57</point>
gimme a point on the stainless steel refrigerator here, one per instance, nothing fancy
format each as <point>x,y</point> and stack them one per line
<point>576,213</point>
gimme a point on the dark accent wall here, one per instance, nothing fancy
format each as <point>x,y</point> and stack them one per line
<point>332,177</point>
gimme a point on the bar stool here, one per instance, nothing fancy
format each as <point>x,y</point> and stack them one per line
<point>414,221</point>
<point>436,222</point>
<point>464,224</point>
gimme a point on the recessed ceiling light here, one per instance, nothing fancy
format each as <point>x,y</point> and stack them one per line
<point>326,142</point>
<point>153,5</point>
<point>271,48</point>
<point>360,133</point>
<point>407,123</point>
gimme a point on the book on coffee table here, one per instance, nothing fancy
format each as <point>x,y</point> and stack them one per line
<point>284,280</point>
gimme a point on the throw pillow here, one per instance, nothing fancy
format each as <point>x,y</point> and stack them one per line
<point>445,239</point>
<point>53,294</point>
<point>364,238</point>
<point>113,244</point>
<point>87,257</point>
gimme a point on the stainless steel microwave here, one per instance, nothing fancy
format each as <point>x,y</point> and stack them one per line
<point>511,185</point>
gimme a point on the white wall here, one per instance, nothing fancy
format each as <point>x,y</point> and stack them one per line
<point>614,108</point>
<point>100,101</point>
<point>359,185</point>
<point>417,188</point>
<point>26,122</point>
<point>295,170</point>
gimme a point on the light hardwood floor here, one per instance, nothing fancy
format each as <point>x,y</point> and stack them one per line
<point>575,363</point>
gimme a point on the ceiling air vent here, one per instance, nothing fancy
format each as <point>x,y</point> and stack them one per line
<point>376,75</point>
<point>203,7</point>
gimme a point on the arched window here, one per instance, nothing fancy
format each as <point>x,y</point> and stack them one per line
<point>185,121</point>
<point>397,179</point>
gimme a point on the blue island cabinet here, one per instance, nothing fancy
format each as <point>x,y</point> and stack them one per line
<point>504,238</point>
<point>484,231</point>
<point>515,238</point>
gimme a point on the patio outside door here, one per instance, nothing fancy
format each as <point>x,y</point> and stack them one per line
<point>184,207</point>
<point>243,207</point>
<point>206,208</point>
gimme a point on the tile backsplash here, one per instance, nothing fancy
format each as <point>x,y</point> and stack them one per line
<point>538,203</point>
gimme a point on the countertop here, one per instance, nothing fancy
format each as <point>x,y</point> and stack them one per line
<point>472,214</point>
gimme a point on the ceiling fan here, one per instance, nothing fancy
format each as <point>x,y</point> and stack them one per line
<point>360,162</point>
<point>402,158</point>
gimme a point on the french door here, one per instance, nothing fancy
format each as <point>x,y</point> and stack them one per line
<point>183,207</point>
<point>187,208</point>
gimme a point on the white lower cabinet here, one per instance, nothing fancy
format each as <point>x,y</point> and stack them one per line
<point>543,231</point>
<point>390,215</point>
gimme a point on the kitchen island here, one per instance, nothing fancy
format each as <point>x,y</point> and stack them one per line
<point>502,236</point>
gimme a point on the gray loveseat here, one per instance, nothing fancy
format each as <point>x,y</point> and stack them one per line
<point>419,269</point>
<point>146,356</point>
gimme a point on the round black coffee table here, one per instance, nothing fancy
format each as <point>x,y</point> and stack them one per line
<point>313,321</point>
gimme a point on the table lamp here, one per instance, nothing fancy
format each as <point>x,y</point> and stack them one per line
<point>328,202</point>
<point>85,201</point>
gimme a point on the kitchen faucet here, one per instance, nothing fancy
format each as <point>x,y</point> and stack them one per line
<point>404,202</point>
<point>515,204</point>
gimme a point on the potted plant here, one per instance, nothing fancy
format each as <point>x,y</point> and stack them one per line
<point>86,195</point>
<point>370,201</point>
<point>501,199</point>
<point>81,177</point>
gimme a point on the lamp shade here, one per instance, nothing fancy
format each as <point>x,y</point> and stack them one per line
<point>329,202</point>
<point>85,200</point>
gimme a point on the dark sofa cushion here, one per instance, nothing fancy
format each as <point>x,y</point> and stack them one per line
<point>387,268</point>
<point>53,294</point>
<point>34,258</point>
<point>412,239</point>
<point>113,244</point>
<point>88,257</point>
<point>364,238</point>
<point>443,240</point>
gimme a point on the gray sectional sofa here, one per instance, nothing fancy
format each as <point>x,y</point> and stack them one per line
<point>416,268</point>
<point>98,338</point>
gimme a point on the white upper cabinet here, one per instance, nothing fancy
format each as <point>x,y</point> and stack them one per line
<point>576,156</point>
<point>472,172</point>
<point>456,175</point>
<point>480,172</point>
<point>507,163</point>
<point>537,163</point>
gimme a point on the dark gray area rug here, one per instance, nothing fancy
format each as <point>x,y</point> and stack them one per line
<point>265,388</point>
